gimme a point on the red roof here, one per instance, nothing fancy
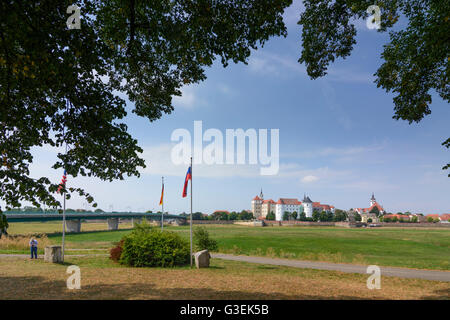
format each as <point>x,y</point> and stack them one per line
<point>289,201</point>
<point>270,201</point>
<point>256,198</point>
<point>445,216</point>
<point>325,207</point>
<point>364,210</point>
<point>222,211</point>
<point>433,215</point>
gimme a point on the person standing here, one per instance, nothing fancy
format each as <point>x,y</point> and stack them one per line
<point>33,248</point>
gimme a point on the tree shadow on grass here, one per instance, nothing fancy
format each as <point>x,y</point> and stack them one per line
<point>442,294</point>
<point>38,288</point>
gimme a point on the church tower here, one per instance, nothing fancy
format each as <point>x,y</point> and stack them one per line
<point>372,200</point>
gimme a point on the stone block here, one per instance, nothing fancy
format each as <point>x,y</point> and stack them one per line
<point>53,254</point>
<point>202,259</point>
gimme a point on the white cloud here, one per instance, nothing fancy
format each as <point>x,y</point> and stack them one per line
<point>159,162</point>
<point>349,75</point>
<point>343,152</point>
<point>226,90</point>
<point>310,178</point>
<point>188,98</point>
<point>275,64</point>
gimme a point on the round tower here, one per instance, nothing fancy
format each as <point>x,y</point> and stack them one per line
<point>307,206</point>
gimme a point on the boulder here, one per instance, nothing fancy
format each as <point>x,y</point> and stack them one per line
<point>202,259</point>
<point>53,254</point>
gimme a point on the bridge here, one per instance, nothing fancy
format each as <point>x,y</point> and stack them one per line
<point>73,220</point>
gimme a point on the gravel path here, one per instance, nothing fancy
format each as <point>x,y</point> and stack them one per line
<point>348,268</point>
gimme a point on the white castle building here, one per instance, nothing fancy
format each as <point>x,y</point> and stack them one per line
<point>261,208</point>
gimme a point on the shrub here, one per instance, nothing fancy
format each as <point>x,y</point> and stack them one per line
<point>202,240</point>
<point>369,220</point>
<point>116,252</point>
<point>270,216</point>
<point>147,247</point>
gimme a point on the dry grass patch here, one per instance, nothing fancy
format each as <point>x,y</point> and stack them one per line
<point>22,242</point>
<point>103,279</point>
<point>56,227</point>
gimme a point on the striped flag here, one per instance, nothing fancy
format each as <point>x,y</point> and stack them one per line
<point>162,195</point>
<point>186,180</point>
<point>63,182</point>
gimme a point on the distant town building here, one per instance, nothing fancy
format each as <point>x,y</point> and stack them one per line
<point>287,205</point>
<point>261,208</point>
<point>257,205</point>
<point>434,216</point>
<point>317,206</point>
<point>307,206</point>
<point>373,208</point>
<point>267,207</point>
<point>397,216</point>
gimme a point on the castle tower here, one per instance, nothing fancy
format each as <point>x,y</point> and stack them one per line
<point>307,206</point>
<point>372,200</point>
<point>257,205</point>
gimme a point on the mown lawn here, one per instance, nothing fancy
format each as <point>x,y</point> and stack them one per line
<point>103,279</point>
<point>401,247</point>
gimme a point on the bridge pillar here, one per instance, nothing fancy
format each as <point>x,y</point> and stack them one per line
<point>180,222</point>
<point>135,221</point>
<point>113,223</point>
<point>73,225</point>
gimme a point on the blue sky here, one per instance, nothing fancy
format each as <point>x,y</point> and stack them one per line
<point>338,141</point>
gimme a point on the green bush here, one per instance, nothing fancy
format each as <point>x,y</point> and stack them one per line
<point>147,247</point>
<point>270,216</point>
<point>202,240</point>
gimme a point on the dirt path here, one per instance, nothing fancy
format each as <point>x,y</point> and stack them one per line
<point>348,268</point>
<point>342,267</point>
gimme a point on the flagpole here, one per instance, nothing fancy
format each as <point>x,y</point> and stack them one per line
<point>64,194</point>
<point>64,225</point>
<point>64,216</point>
<point>190,229</point>
<point>162,203</point>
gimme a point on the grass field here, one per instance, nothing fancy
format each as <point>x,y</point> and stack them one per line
<point>400,247</point>
<point>104,279</point>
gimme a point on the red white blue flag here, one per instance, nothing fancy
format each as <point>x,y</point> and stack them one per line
<point>162,195</point>
<point>63,182</point>
<point>188,177</point>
